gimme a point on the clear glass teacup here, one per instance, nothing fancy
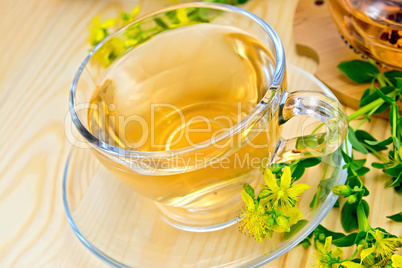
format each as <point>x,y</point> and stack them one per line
<point>186,104</point>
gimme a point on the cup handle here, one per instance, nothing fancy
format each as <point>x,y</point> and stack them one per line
<point>321,106</point>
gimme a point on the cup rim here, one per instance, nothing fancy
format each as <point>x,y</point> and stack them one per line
<point>355,12</point>
<point>277,78</point>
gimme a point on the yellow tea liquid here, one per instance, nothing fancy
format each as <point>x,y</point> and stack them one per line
<point>183,89</point>
<point>372,27</point>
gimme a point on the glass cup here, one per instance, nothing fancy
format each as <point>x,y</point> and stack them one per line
<point>186,104</point>
<point>372,28</point>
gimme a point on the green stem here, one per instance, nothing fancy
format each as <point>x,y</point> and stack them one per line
<point>351,257</point>
<point>381,157</point>
<point>367,108</point>
<point>381,80</point>
<point>388,82</point>
<point>361,123</point>
<point>317,128</point>
<point>394,125</point>
<point>318,193</point>
<point>362,219</point>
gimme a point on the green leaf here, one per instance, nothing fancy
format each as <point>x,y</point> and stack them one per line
<point>396,217</point>
<point>356,260</point>
<point>295,228</point>
<point>385,97</point>
<point>394,171</point>
<point>395,182</point>
<point>357,163</point>
<point>399,82</point>
<point>336,205</point>
<point>398,189</point>
<point>346,157</point>
<point>385,142</point>
<point>350,264</point>
<point>365,96</point>
<point>310,141</point>
<point>327,232</point>
<point>361,171</point>
<point>355,142</point>
<point>345,241</point>
<point>361,235</point>
<point>385,233</point>
<point>298,172</point>
<point>314,200</point>
<point>359,71</point>
<point>392,75</point>
<point>349,216</point>
<point>310,162</point>
<point>378,165</point>
<point>161,23</point>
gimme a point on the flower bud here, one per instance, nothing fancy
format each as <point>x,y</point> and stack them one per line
<point>306,243</point>
<point>352,199</point>
<point>325,258</point>
<point>271,222</point>
<point>283,223</point>
<point>341,190</point>
<point>321,237</point>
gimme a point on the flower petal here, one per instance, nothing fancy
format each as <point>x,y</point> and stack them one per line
<point>396,260</point>
<point>298,189</point>
<point>286,178</point>
<point>337,252</point>
<point>294,214</point>
<point>108,23</point>
<point>378,235</point>
<point>327,245</point>
<point>366,252</point>
<point>248,200</point>
<point>270,180</point>
<point>283,223</point>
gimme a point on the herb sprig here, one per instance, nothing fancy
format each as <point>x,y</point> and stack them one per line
<point>374,247</point>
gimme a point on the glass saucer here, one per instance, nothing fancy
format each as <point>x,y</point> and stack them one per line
<point>124,229</point>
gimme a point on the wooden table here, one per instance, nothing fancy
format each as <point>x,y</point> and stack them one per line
<point>42,44</point>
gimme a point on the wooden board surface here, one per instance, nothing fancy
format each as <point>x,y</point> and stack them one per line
<point>43,43</point>
<point>317,36</point>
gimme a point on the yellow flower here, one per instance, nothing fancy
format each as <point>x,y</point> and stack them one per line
<point>281,225</point>
<point>396,261</point>
<point>383,249</point>
<point>294,214</point>
<point>99,30</point>
<point>324,256</point>
<point>182,18</point>
<point>109,51</point>
<point>128,17</point>
<point>327,258</point>
<point>254,219</point>
<point>284,196</point>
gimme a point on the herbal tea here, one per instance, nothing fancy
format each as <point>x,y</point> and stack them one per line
<point>185,88</point>
<point>372,27</point>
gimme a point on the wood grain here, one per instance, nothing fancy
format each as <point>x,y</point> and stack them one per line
<point>43,43</point>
